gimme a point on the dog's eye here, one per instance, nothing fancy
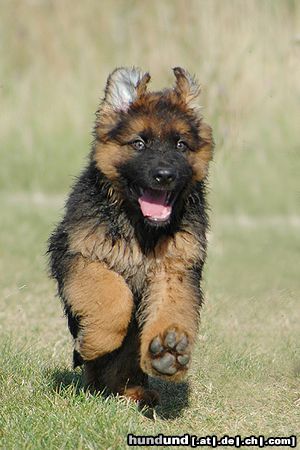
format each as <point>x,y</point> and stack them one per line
<point>181,145</point>
<point>138,144</point>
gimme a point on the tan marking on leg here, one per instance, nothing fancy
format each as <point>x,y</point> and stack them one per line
<point>171,301</point>
<point>103,301</point>
<point>171,304</point>
<point>148,397</point>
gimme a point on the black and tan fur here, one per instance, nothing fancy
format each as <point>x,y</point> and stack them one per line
<point>130,284</point>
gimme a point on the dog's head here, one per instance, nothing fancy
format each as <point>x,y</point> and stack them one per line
<point>152,146</point>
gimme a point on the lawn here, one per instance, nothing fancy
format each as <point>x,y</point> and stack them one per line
<point>245,377</point>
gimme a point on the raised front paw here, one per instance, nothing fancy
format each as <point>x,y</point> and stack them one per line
<point>169,354</point>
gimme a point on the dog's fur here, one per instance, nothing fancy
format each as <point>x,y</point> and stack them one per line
<point>129,251</point>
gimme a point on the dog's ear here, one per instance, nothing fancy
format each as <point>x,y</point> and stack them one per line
<point>186,87</point>
<point>124,86</point>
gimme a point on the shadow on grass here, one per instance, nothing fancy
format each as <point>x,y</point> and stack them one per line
<point>65,379</point>
<point>174,396</point>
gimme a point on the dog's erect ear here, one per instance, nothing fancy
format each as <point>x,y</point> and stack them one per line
<point>186,86</point>
<point>124,86</point>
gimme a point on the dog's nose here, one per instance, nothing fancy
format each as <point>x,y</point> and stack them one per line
<point>164,176</point>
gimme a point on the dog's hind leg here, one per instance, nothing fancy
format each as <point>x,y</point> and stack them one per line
<point>103,304</point>
<point>119,372</point>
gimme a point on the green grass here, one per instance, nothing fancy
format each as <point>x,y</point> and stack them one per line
<point>245,375</point>
<point>54,59</point>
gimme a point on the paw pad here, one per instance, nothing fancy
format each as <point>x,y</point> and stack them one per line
<point>170,354</point>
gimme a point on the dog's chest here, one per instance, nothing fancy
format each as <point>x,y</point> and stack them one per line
<point>125,256</point>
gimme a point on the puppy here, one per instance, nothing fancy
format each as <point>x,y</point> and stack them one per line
<point>129,252</point>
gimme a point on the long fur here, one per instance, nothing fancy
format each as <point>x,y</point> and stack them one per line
<point>127,282</point>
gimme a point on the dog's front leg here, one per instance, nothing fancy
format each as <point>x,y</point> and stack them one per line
<point>103,303</point>
<point>170,316</point>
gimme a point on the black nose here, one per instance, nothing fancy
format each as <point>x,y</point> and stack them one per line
<point>164,176</point>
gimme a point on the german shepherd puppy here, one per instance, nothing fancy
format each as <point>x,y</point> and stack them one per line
<point>129,252</point>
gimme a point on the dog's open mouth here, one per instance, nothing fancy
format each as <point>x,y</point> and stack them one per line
<point>156,205</point>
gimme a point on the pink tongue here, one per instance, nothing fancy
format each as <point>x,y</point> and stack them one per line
<point>153,204</point>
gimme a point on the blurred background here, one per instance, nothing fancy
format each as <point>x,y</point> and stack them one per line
<point>55,57</point>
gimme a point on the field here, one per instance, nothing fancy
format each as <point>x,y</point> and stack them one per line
<point>54,59</point>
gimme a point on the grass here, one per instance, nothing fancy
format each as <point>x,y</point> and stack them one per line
<point>245,376</point>
<point>54,58</point>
